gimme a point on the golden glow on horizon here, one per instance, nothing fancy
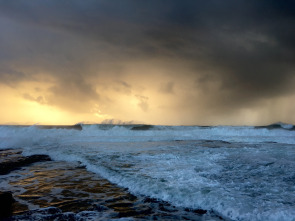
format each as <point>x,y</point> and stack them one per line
<point>145,99</point>
<point>44,114</point>
<point>18,110</point>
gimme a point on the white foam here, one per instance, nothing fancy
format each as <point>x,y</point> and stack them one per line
<point>15,137</point>
<point>252,180</point>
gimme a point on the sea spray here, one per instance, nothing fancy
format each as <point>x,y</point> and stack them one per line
<point>241,173</point>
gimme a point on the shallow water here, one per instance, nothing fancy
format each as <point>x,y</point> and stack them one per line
<point>60,190</point>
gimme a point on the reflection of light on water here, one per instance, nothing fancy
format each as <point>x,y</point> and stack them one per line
<point>60,187</point>
<point>59,184</point>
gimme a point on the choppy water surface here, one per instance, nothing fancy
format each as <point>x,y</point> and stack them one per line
<point>239,173</point>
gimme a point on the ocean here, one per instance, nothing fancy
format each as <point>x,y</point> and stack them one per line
<point>148,172</point>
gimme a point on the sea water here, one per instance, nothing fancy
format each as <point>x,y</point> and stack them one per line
<point>239,173</point>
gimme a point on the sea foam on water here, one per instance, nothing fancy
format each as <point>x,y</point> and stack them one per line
<point>240,173</point>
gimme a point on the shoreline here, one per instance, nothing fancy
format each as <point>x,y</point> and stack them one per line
<point>62,190</point>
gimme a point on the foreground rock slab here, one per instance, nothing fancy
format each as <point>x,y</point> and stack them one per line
<point>13,160</point>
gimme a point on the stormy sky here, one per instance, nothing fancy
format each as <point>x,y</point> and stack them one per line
<point>157,61</point>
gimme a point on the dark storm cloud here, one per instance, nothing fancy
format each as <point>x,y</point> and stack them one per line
<point>245,47</point>
<point>9,76</point>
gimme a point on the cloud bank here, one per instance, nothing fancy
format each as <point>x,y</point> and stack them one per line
<point>167,62</point>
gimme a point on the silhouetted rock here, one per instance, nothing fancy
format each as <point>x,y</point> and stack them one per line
<point>73,127</point>
<point>142,127</point>
<point>6,204</point>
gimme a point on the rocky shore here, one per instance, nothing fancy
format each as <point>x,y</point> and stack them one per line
<point>12,160</point>
<point>35,188</point>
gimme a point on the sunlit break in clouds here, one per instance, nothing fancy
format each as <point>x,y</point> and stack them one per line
<point>157,62</point>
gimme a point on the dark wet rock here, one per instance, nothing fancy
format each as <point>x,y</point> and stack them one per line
<point>120,205</point>
<point>271,126</point>
<point>142,127</point>
<point>166,207</point>
<point>46,211</point>
<point>9,152</point>
<point>197,211</point>
<point>144,210</point>
<point>50,213</point>
<point>205,127</point>
<point>15,163</point>
<point>209,141</point>
<point>100,208</point>
<point>215,143</point>
<point>73,127</point>
<point>200,211</point>
<point>150,200</point>
<point>281,126</point>
<point>6,204</point>
<point>119,199</point>
<point>75,205</point>
<point>128,212</point>
<point>66,216</point>
<point>64,191</point>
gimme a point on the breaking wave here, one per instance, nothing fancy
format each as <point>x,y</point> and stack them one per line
<point>30,135</point>
<point>241,173</point>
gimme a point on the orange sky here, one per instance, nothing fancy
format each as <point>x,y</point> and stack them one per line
<point>152,102</point>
